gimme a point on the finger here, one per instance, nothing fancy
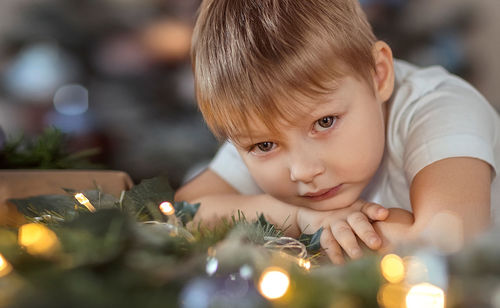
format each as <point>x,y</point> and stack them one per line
<point>346,238</point>
<point>374,211</point>
<point>363,228</point>
<point>331,247</point>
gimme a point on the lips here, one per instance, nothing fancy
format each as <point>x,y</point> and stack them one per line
<point>323,194</point>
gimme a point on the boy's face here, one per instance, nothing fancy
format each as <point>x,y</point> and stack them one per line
<point>325,159</point>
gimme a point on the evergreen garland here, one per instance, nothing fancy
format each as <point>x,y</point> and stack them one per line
<point>129,254</point>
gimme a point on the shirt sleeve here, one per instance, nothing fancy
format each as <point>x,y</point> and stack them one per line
<point>228,164</point>
<point>451,121</point>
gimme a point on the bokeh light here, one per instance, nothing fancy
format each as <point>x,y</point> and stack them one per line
<point>38,70</point>
<point>71,99</point>
<point>168,40</point>
<point>425,295</point>
<point>416,270</point>
<point>212,265</point>
<point>37,239</point>
<point>274,283</point>
<point>393,268</point>
<point>392,295</point>
<point>305,264</point>
<point>167,208</point>
<point>5,267</point>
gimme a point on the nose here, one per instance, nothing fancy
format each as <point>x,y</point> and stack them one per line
<point>305,166</point>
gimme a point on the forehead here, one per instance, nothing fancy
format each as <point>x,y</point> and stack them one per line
<point>273,122</point>
<point>271,115</point>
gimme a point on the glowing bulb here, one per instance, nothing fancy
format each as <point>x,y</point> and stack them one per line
<point>84,201</point>
<point>38,239</point>
<point>274,283</point>
<point>5,267</point>
<point>305,263</point>
<point>393,268</point>
<point>167,208</point>
<point>425,295</point>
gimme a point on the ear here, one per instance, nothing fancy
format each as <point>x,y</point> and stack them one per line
<point>383,77</point>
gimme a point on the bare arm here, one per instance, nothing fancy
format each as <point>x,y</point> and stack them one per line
<point>220,200</point>
<point>451,204</point>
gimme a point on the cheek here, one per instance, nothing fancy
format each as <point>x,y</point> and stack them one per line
<point>271,177</point>
<point>361,147</point>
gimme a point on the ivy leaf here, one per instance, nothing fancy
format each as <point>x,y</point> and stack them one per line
<point>35,206</point>
<point>185,211</point>
<point>147,196</point>
<point>312,240</point>
<point>96,238</point>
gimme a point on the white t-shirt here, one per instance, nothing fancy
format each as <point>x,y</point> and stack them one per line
<point>432,115</point>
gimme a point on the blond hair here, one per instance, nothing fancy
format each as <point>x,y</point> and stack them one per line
<point>257,57</point>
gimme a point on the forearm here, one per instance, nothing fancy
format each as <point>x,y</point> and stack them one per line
<point>441,228</point>
<point>213,208</point>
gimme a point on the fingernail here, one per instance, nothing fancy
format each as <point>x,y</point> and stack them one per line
<point>382,211</point>
<point>374,241</point>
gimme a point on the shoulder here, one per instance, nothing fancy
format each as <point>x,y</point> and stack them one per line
<point>434,115</point>
<point>433,95</point>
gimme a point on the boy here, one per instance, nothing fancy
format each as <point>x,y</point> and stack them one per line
<point>325,129</point>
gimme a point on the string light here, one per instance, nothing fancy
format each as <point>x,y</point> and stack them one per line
<point>274,283</point>
<point>393,268</point>
<point>305,263</point>
<point>167,208</point>
<point>38,239</point>
<point>287,245</point>
<point>5,267</point>
<point>84,201</point>
<point>425,295</point>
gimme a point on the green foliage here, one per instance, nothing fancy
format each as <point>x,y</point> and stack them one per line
<point>143,199</point>
<point>312,240</point>
<point>128,254</point>
<point>48,151</point>
<point>112,258</point>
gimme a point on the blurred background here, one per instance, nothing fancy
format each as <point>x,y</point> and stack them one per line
<point>115,74</point>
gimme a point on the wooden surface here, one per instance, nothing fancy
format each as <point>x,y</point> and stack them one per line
<point>28,183</point>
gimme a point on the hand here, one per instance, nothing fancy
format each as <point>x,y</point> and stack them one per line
<point>342,226</point>
<point>397,228</point>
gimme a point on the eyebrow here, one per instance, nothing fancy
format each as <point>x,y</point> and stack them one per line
<point>251,136</point>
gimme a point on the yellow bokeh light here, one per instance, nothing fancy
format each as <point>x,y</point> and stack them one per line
<point>392,295</point>
<point>38,239</point>
<point>85,202</point>
<point>274,283</point>
<point>167,208</point>
<point>5,267</point>
<point>393,268</point>
<point>425,295</point>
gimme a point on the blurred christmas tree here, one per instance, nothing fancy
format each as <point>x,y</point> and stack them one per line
<point>47,151</point>
<point>129,61</point>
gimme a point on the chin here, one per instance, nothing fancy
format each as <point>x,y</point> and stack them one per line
<point>325,205</point>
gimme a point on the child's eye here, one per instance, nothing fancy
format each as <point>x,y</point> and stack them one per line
<point>325,123</point>
<point>264,146</point>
